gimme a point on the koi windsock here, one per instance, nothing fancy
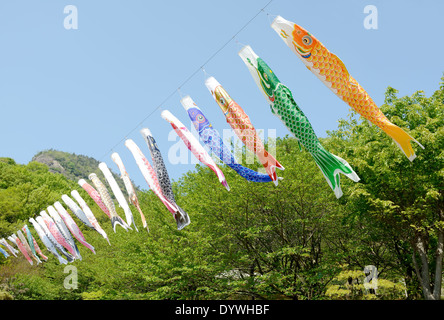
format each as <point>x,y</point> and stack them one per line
<point>162,176</point>
<point>60,224</point>
<point>8,246</point>
<point>194,146</point>
<point>32,243</point>
<point>72,226</point>
<point>285,108</point>
<point>95,196</point>
<point>89,214</point>
<point>21,247</point>
<point>333,73</point>
<point>132,196</point>
<point>3,252</point>
<point>241,125</point>
<point>25,243</point>
<point>12,239</point>
<point>46,241</point>
<point>54,241</point>
<point>104,195</point>
<point>58,235</point>
<point>212,139</point>
<point>151,179</point>
<point>77,211</point>
<point>118,194</point>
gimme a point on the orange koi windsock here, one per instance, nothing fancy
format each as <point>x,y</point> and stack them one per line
<point>333,73</point>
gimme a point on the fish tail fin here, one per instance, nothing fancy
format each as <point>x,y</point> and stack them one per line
<point>78,256</point>
<point>270,164</point>
<point>142,216</point>
<point>62,260</point>
<point>182,218</point>
<point>250,174</point>
<point>225,184</point>
<point>43,256</point>
<point>402,140</point>
<point>37,259</point>
<point>132,218</point>
<point>118,221</point>
<point>89,246</point>
<point>331,166</point>
<point>220,176</point>
<point>104,235</point>
<point>68,256</point>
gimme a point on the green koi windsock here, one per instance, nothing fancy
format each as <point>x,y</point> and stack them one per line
<point>285,108</point>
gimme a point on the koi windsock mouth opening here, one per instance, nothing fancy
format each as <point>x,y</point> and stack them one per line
<point>282,26</point>
<point>249,57</point>
<point>211,83</point>
<point>146,132</point>
<point>188,103</point>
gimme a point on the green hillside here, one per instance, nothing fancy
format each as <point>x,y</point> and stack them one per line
<point>73,166</point>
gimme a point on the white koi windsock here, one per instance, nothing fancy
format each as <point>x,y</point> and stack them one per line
<point>89,214</point>
<point>118,194</point>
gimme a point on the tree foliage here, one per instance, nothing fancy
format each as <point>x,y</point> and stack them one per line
<point>258,241</point>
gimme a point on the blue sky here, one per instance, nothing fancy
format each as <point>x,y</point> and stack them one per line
<point>85,90</point>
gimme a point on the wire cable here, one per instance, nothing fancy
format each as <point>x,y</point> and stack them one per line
<point>188,79</point>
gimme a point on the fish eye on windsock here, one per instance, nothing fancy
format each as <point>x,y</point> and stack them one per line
<point>334,74</point>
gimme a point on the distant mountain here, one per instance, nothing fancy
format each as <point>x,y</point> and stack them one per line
<point>74,167</point>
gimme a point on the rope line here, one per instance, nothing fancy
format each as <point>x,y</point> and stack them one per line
<point>177,90</point>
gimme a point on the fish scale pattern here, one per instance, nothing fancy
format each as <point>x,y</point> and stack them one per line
<point>294,119</point>
<point>333,73</point>
<point>95,196</point>
<point>346,87</point>
<point>286,109</point>
<point>243,128</point>
<point>212,139</point>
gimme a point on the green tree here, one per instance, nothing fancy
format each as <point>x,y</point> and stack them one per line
<point>399,200</point>
<point>271,239</point>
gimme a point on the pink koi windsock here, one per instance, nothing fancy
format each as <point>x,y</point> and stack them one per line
<point>52,227</point>
<point>21,248</point>
<point>89,214</point>
<point>194,146</point>
<point>149,175</point>
<point>47,241</point>
<point>95,196</point>
<point>32,243</point>
<point>60,224</point>
<point>27,247</point>
<point>72,226</point>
